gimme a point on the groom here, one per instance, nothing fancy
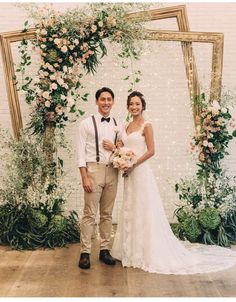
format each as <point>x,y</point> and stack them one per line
<point>96,135</point>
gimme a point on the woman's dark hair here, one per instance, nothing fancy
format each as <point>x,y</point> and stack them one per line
<point>104,89</point>
<point>138,94</point>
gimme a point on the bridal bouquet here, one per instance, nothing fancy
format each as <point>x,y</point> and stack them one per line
<point>123,158</point>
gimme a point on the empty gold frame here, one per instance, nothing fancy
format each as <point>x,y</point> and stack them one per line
<point>183,35</point>
<point>5,40</point>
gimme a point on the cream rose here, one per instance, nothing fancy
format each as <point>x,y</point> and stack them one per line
<point>64,49</point>
<point>54,86</point>
<point>46,95</point>
<point>47,104</point>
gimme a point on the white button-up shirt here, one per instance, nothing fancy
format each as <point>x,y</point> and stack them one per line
<point>87,143</point>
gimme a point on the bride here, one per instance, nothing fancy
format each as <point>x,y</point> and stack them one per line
<point>144,238</point>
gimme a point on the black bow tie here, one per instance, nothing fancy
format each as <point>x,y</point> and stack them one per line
<point>107,119</point>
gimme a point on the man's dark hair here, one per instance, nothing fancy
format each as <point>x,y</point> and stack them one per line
<point>104,89</point>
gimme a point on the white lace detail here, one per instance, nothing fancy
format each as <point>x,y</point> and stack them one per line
<point>144,238</point>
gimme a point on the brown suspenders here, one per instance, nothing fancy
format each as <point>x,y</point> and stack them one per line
<point>96,137</point>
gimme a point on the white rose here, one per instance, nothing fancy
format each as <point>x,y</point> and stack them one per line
<point>47,104</point>
<point>60,81</point>
<point>57,41</point>
<point>63,97</point>
<point>65,68</point>
<point>224,110</point>
<point>54,86</point>
<point>205,143</point>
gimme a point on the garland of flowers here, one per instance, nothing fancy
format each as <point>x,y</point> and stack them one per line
<point>70,45</point>
<point>208,210</point>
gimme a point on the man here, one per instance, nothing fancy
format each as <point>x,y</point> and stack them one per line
<point>96,135</point>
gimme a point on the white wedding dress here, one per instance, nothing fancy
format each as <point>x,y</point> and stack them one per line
<point>144,238</point>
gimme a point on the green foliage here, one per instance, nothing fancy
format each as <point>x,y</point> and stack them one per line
<point>23,226</point>
<point>209,218</point>
<point>191,228</point>
<point>31,210</point>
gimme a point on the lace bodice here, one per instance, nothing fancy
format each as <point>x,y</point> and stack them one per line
<point>135,140</point>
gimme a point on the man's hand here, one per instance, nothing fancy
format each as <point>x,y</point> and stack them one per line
<point>87,185</point>
<point>108,145</point>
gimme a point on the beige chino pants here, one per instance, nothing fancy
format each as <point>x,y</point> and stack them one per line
<point>104,181</point>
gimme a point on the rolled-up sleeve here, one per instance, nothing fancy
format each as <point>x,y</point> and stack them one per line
<point>82,144</point>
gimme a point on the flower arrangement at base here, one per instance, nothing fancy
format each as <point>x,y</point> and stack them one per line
<point>207,209</point>
<point>31,210</point>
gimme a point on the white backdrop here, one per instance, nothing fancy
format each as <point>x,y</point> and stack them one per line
<point>164,85</point>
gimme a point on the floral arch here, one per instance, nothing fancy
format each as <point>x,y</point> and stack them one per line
<point>69,45</point>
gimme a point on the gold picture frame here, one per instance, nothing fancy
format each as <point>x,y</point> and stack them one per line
<point>183,35</point>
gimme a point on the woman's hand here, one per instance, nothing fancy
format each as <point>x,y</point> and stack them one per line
<point>127,170</point>
<point>108,145</point>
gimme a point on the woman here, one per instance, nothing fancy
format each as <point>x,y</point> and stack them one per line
<point>144,238</point>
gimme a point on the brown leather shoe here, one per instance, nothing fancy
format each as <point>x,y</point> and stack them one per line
<point>84,261</point>
<point>106,257</point>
